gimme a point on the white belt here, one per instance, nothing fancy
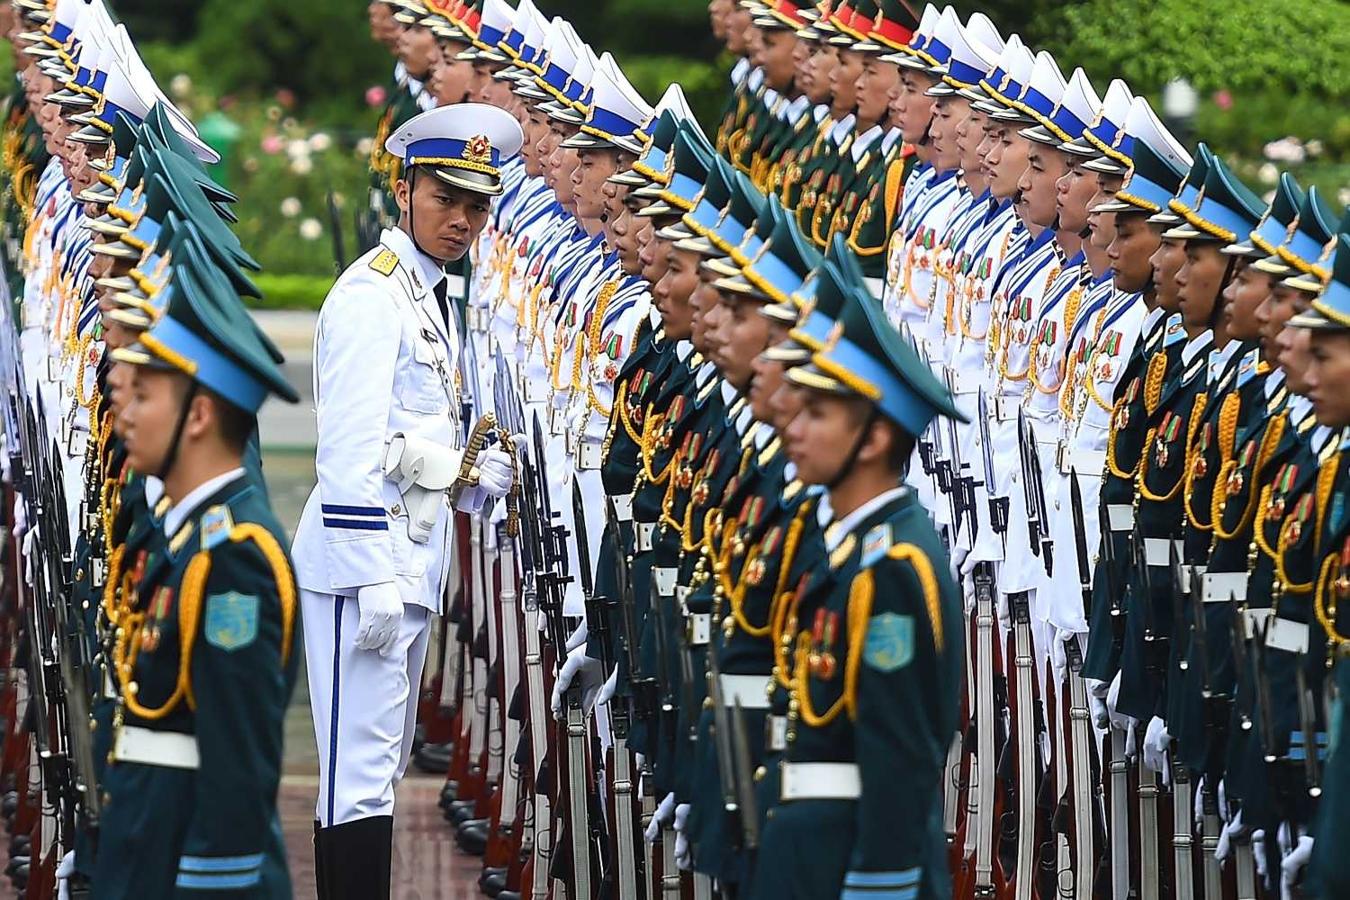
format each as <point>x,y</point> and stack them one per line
<point>1005,408</point>
<point>664,578</point>
<point>1120,516</point>
<point>557,420</point>
<point>623,506</point>
<point>1287,635</point>
<point>1158,553</point>
<point>745,691</point>
<point>589,455</point>
<point>1221,586</point>
<point>476,318</point>
<point>966,382</point>
<point>1088,462</point>
<point>775,733</point>
<point>155,748</point>
<point>536,391</point>
<point>821,781</point>
<point>699,629</point>
<point>645,532</point>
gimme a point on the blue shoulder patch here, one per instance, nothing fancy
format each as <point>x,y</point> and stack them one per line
<point>875,544</point>
<point>1175,332</point>
<point>1247,368</point>
<point>890,642</point>
<point>231,620</point>
<point>217,523</point>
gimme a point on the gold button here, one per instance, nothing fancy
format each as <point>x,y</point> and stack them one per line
<point>760,773</point>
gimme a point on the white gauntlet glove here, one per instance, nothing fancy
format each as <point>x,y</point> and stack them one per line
<point>381,612</point>
<point>664,815</point>
<point>494,472</point>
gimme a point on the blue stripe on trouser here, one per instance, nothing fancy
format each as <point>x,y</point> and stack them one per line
<point>333,721</point>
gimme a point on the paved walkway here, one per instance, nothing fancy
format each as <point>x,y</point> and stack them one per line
<point>282,425</point>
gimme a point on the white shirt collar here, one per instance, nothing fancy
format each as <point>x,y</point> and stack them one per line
<point>728,390</point>
<point>683,349</point>
<point>835,534</point>
<point>1151,320</point>
<point>763,436</point>
<point>425,269</point>
<point>1274,381</point>
<point>1195,346</point>
<point>179,512</point>
<point>842,129</point>
<point>865,141</point>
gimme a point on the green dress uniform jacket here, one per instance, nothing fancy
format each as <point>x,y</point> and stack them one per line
<point>206,653</point>
<point>1125,443</point>
<point>877,682</point>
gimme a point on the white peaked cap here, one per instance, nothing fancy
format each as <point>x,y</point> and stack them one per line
<point>1143,124</point>
<point>498,14</point>
<point>1080,98</point>
<point>979,27</point>
<point>675,101</point>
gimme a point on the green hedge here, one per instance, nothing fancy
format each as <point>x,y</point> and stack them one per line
<point>291,291</point>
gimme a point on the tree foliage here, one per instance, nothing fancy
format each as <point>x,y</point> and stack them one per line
<point>1246,46</point>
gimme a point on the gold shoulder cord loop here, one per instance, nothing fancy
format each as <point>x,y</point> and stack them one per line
<point>1218,503</point>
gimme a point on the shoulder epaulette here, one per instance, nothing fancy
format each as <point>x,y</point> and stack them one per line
<point>385,262</point>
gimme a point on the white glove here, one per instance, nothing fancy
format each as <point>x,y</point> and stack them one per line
<point>579,637</point>
<point>957,558</point>
<point>20,515</point>
<point>64,870</point>
<point>1291,870</point>
<point>587,674</point>
<point>665,813</point>
<point>381,612</point>
<point>1230,833</point>
<point>607,690</point>
<point>683,858</point>
<point>494,472</point>
<point>1059,655</point>
<point>1118,720</point>
<point>1156,740</point>
<point>1259,851</point>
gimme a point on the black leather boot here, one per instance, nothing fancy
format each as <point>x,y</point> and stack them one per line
<point>358,856</point>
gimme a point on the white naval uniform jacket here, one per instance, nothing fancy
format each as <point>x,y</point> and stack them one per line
<point>385,362</point>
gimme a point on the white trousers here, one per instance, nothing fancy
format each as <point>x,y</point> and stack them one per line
<point>364,706</point>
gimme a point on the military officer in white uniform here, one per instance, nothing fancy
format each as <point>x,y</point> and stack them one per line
<point>372,551</point>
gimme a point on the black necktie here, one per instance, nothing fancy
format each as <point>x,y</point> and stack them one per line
<point>442,291</point>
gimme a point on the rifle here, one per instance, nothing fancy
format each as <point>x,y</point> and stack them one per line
<point>533,879</point>
<point>1087,862</point>
<point>998,506</point>
<point>578,825</point>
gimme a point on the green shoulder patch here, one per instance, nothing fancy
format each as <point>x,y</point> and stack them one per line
<point>890,641</point>
<point>385,262</point>
<point>231,620</point>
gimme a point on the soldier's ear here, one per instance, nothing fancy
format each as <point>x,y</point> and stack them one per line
<point>403,195</point>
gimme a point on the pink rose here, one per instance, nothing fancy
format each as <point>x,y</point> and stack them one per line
<point>1223,100</point>
<point>375,96</point>
<point>273,144</point>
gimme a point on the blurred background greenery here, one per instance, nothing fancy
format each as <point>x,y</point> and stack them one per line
<point>291,89</point>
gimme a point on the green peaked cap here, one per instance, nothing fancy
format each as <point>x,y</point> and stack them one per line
<point>864,355</point>
<point>1227,212</point>
<point>1276,224</point>
<point>207,334</point>
<point>1331,310</point>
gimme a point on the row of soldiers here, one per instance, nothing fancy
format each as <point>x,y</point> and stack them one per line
<point>915,268</point>
<point>150,607</point>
